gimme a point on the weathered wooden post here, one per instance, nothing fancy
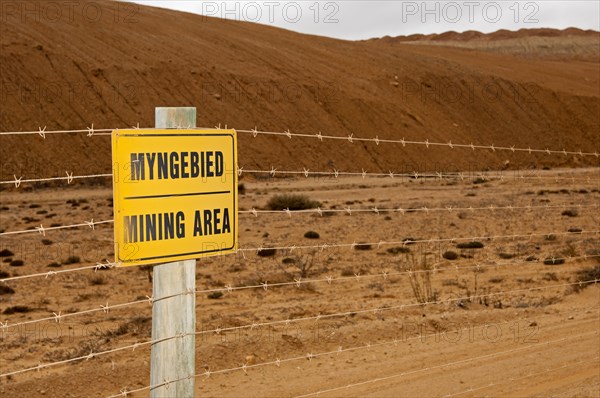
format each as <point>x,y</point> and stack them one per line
<point>175,199</point>
<point>174,358</point>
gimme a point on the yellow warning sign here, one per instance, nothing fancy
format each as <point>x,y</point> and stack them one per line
<point>175,194</point>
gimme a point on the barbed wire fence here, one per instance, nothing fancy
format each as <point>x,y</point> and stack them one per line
<point>329,280</point>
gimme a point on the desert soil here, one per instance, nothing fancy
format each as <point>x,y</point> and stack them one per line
<point>503,323</point>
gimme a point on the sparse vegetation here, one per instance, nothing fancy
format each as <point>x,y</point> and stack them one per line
<point>470,245</point>
<point>311,235</point>
<point>569,213</point>
<point>292,202</point>
<point>215,295</point>
<point>266,252</point>
<point>550,276</point>
<point>398,250</point>
<point>420,282</point>
<point>46,242</point>
<point>97,280</point>
<point>17,309</point>
<point>554,261</point>
<point>450,255</point>
<point>6,290</point>
<point>6,253</point>
<point>506,256</point>
<point>586,277</point>
<point>362,246</point>
<point>16,263</point>
<point>72,260</point>
<point>54,264</point>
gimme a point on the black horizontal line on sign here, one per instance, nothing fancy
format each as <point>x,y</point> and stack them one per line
<point>177,194</point>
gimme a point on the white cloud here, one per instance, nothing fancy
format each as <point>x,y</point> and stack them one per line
<point>365,19</point>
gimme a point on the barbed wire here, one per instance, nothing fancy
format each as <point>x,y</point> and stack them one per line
<point>350,138</point>
<point>42,230</point>
<point>97,267</point>
<point>381,309</point>
<point>513,379</point>
<point>89,356</point>
<point>334,174</point>
<point>347,210</point>
<point>426,143</point>
<point>298,282</point>
<point>57,317</point>
<point>69,178</point>
<point>218,331</point>
<point>459,362</point>
<point>408,241</point>
<point>326,246</point>
<point>90,131</point>
<point>278,362</point>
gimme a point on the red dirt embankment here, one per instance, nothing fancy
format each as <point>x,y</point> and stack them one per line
<point>114,71</point>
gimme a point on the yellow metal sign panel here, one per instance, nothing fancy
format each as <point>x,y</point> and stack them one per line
<point>175,194</point>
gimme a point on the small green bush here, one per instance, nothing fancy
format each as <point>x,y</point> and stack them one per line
<point>292,202</point>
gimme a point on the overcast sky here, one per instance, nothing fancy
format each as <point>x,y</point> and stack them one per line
<point>361,19</point>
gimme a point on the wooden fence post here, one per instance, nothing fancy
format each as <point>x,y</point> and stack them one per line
<point>174,359</point>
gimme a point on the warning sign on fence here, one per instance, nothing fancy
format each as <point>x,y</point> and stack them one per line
<point>175,194</point>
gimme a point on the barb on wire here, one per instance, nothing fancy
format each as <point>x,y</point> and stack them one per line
<point>58,317</point>
<point>41,229</point>
<point>414,175</point>
<point>89,356</point>
<point>90,131</point>
<point>69,178</point>
<point>96,267</point>
<point>425,209</point>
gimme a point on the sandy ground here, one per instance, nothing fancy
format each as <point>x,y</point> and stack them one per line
<point>503,323</point>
